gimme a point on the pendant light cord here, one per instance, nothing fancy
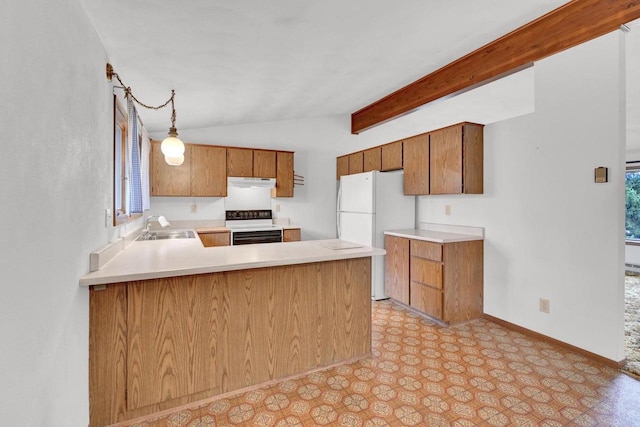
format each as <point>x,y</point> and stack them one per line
<point>127,92</point>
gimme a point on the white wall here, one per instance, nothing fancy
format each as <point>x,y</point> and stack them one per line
<point>316,142</point>
<point>551,232</point>
<point>56,181</point>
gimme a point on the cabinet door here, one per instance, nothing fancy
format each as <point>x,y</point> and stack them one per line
<point>239,162</point>
<point>208,171</point>
<point>215,239</point>
<point>291,235</point>
<point>472,168</point>
<point>446,161</point>
<point>356,164</point>
<point>342,166</point>
<point>372,159</point>
<point>416,164</point>
<point>169,180</point>
<point>427,299</point>
<point>391,156</point>
<point>284,174</point>
<point>396,273</point>
<point>264,164</point>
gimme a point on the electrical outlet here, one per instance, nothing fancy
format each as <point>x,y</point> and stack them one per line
<point>544,305</point>
<point>447,210</point>
<point>277,208</point>
<point>194,208</point>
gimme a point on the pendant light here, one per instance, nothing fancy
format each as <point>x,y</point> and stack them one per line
<point>172,147</point>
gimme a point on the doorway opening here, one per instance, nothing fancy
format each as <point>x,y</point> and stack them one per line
<point>632,276</point>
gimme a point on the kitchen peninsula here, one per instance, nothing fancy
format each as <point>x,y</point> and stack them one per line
<point>173,322</point>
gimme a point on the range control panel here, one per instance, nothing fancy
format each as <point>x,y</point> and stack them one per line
<point>250,214</point>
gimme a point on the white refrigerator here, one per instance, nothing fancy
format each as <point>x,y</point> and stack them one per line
<point>368,204</point>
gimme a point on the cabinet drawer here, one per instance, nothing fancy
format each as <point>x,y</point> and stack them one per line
<point>426,272</point>
<point>428,250</point>
<point>426,299</point>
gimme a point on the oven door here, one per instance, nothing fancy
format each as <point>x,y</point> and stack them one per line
<point>248,237</point>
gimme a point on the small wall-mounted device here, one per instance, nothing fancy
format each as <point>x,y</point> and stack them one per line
<point>601,174</point>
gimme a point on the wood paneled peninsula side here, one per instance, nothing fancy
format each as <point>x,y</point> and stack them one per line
<point>173,322</point>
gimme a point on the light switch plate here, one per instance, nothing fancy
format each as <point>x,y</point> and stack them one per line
<point>108,219</point>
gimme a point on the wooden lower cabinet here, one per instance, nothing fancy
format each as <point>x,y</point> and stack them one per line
<point>160,343</point>
<point>427,299</point>
<point>444,281</point>
<point>291,235</point>
<point>396,277</point>
<point>222,238</point>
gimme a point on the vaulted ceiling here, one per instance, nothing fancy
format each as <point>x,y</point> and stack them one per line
<point>234,62</point>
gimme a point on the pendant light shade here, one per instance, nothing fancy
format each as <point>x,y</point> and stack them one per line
<point>174,161</point>
<point>172,146</point>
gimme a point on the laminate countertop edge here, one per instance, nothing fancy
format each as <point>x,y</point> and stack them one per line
<point>433,236</point>
<point>182,257</point>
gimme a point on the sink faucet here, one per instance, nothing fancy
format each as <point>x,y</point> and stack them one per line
<point>161,220</point>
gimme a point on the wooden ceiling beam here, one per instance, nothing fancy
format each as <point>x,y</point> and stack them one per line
<point>567,26</point>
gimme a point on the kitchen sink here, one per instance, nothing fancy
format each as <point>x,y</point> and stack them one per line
<point>166,235</point>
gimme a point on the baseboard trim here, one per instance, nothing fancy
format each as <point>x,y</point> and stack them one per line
<point>542,337</point>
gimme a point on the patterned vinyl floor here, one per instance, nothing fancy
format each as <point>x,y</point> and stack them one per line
<point>423,374</point>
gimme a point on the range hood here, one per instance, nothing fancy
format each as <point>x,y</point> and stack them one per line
<point>244,182</point>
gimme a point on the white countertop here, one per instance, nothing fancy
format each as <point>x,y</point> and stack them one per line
<point>433,236</point>
<point>152,259</point>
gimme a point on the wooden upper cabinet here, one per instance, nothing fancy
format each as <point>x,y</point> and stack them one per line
<point>264,164</point>
<point>356,163</point>
<point>372,159</point>
<point>456,157</point>
<point>169,180</point>
<point>473,159</point>
<point>239,162</point>
<point>208,171</point>
<point>446,161</point>
<point>342,166</point>
<point>284,175</point>
<point>391,156</point>
<point>416,164</point>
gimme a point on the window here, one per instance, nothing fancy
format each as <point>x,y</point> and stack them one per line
<point>632,197</point>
